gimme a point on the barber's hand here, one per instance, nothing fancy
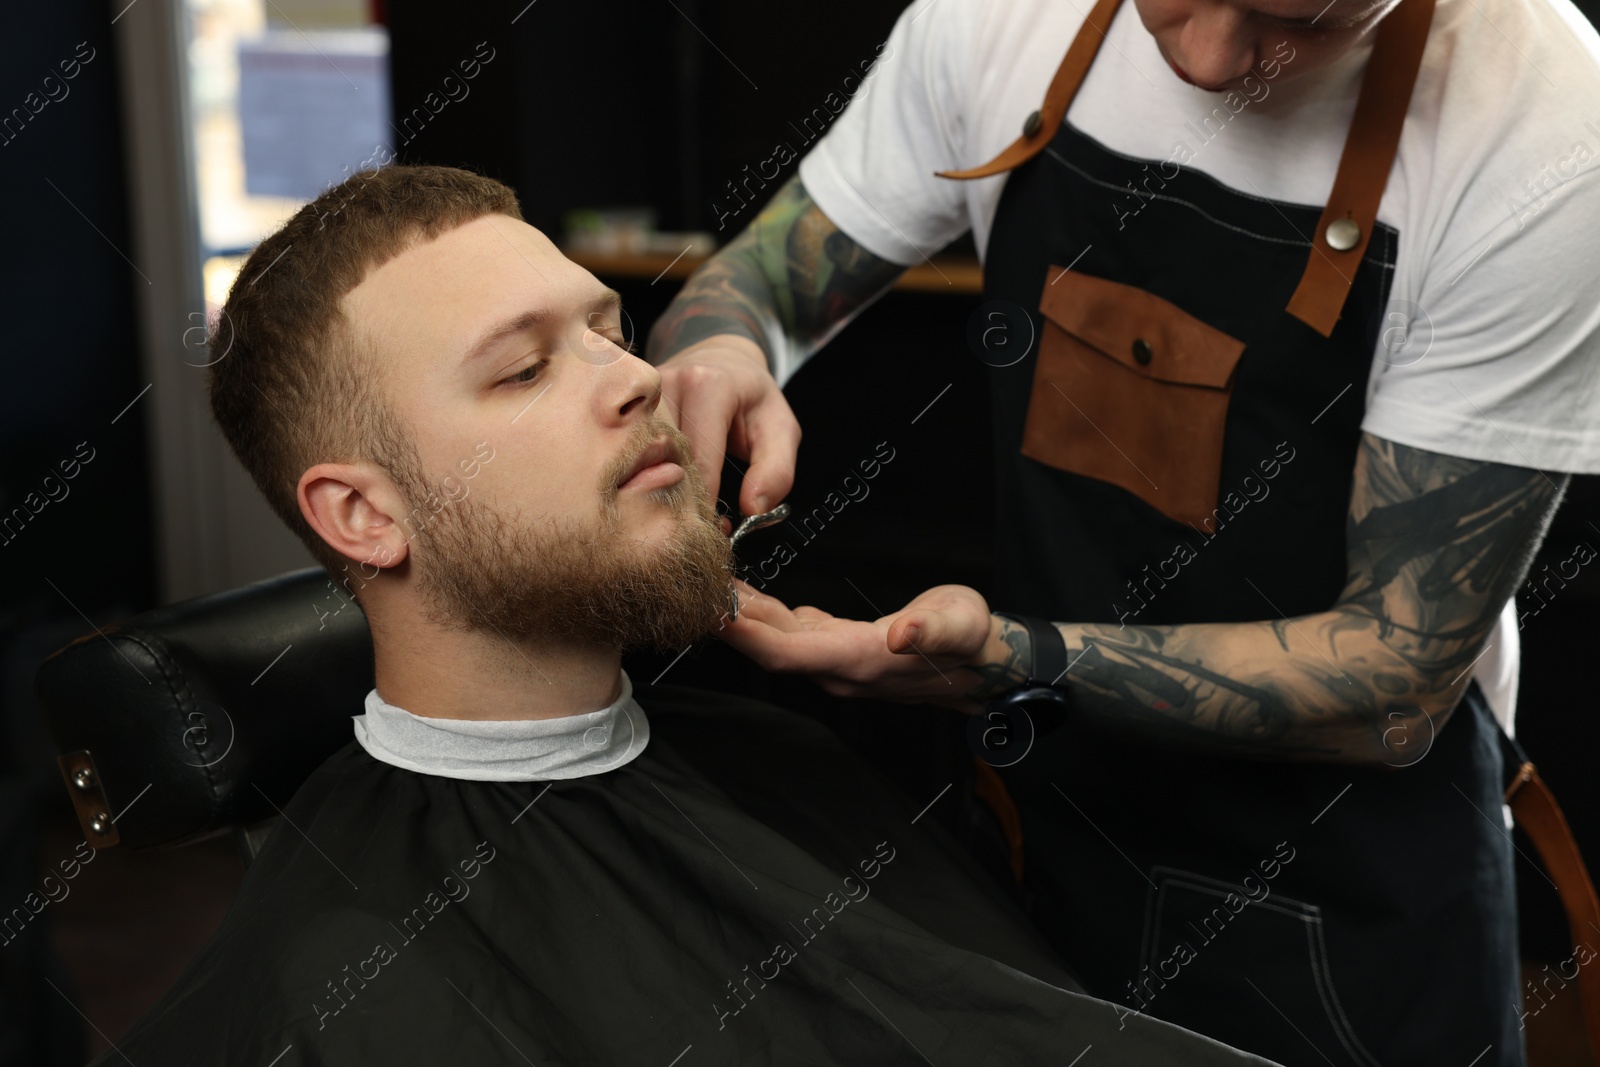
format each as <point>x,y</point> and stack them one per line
<point>720,393</point>
<point>923,653</point>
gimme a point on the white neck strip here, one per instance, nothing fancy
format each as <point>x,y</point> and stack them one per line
<point>506,750</point>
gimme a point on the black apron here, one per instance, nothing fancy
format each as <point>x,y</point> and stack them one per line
<point>1177,447</point>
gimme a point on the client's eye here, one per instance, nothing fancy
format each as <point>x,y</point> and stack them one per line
<point>615,335</point>
<point>526,374</point>
<point>613,331</point>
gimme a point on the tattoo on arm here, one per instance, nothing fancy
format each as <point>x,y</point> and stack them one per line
<point>791,267</point>
<point>1436,546</point>
<point>1009,673</point>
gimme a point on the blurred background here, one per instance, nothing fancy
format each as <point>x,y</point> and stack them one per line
<point>641,135</point>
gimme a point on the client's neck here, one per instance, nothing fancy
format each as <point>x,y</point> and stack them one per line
<point>447,674</point>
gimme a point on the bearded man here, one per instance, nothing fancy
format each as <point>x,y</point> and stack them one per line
<point>519,858</point>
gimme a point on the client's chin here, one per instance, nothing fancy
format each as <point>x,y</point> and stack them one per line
<point>565,584</point>
<point>681,588</point>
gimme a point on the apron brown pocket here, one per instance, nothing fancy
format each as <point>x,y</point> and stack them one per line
<point>1131,390</point>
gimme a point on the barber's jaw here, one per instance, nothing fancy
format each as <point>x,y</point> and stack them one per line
<point>545,499</point>
<point>1217,45</point>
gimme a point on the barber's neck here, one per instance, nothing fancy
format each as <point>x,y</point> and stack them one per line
<point>444,673</point>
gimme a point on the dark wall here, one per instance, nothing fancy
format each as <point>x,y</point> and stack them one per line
<point>477,124</point>
<point>74,478</point>
<point>71,341</point>
<point>609,102</point>
<point>77,548</point>
<point>1556,719</point>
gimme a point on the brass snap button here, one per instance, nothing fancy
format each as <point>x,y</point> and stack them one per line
<point>1032,123</point>
<point>1343,235</point>
<point>1141,352</point>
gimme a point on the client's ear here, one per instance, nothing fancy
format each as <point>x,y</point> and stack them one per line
<point>355,508</point>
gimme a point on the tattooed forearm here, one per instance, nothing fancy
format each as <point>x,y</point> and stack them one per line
<point>1436,546</point>
<point>1008,672</point>
<point>791,268</point>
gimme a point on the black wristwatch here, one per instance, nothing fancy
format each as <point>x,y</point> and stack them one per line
<point>1049,658</point>
<point>1003,733</point>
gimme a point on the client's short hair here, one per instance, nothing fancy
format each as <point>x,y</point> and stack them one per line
<point>290,385</point>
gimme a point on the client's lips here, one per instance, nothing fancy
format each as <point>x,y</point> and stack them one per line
<point>655,468</point>
<point>1180,73</point>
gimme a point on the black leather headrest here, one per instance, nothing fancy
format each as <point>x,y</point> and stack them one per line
<point>201,716</point>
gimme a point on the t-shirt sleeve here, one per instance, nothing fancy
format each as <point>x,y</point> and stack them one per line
<point>1499,357</point>
<point>872,174</point>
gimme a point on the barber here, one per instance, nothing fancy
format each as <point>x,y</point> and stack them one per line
<point>1274,458</point>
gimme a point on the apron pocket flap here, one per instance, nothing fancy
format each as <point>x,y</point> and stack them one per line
<point>1141,331</point>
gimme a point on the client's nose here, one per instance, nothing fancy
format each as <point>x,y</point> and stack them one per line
<point>640,385</point>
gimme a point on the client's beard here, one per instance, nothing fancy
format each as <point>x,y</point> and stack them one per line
<point>559,581</point>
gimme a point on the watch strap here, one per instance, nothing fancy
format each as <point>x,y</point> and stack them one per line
<point>1049,658</point>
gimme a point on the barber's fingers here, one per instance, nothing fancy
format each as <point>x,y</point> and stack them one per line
<point>776,613</point>
<point>772,434</point>
<point>725,400</point>
<point>763,608</point>
<point>925,633</point>
<point>836,650</point>
<point>802,639</point>
<point>944,621</point>
<point>703,403</point>
<point>767,636</point>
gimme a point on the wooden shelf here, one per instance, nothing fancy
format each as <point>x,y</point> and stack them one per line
<point>945,274</point>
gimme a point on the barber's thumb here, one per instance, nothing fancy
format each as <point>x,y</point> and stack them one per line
<point>764,489</point>
<point>774,451</point>
<point>908,636</point>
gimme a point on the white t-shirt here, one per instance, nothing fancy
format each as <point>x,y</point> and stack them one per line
<point>1492,351</point>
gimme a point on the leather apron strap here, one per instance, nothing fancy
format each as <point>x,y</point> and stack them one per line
<point>1534,808</point>
<point>1369,149</point>
<point>1041,125</point>
<point>989,787</point>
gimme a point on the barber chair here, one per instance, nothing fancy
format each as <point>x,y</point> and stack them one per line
<point>204,718</point>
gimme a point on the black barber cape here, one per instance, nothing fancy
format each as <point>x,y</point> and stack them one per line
<point>745,891</point>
